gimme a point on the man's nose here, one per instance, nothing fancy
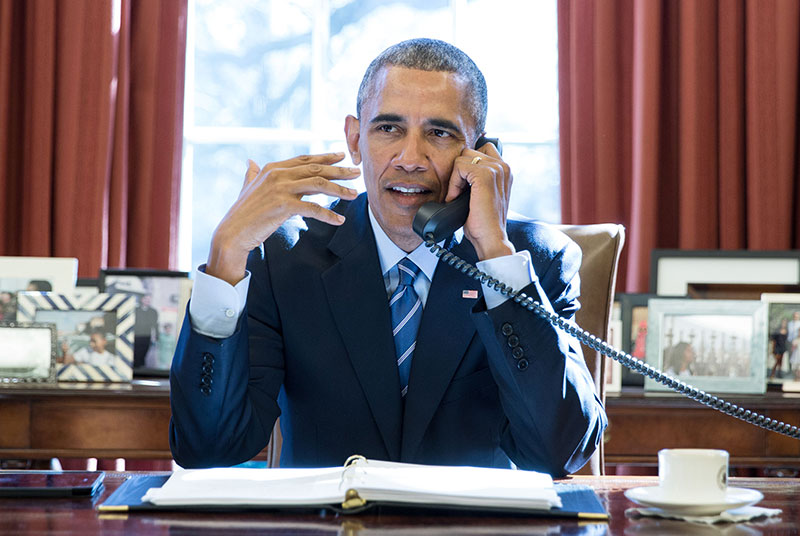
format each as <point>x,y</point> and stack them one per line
<point>412,155</point>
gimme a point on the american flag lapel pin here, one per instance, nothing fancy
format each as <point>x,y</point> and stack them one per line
<point>469,294</point>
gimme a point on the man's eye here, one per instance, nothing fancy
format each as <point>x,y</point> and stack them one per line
<point>439,133</point>
<point>387,128</point>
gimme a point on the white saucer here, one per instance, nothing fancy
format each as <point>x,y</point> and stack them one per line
<point>652,496</point>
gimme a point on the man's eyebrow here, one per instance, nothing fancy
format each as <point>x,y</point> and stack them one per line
<point>387,118</point>
<point>444,123</point>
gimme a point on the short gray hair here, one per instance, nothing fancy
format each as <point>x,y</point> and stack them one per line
<point>431,55</point>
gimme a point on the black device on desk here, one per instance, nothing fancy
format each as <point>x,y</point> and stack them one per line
<point>436,221</point>
<point>50,483</point>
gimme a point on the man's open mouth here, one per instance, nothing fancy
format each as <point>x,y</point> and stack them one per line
<point>409,191</point>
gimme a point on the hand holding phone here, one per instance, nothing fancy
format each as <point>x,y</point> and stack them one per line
<point>440,220</point>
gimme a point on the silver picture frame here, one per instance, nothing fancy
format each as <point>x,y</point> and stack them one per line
<point>718,346</point>
<point>27,353</point>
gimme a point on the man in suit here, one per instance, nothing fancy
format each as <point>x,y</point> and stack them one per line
<point>344,324</point>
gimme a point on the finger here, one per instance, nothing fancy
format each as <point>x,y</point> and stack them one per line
<point>489,149</point>
<point>321,170</point>
<point>307,209</point>
<point>325,158</point>
<point>252,172</point>
<point>458,181</point>
<point>321,185</point>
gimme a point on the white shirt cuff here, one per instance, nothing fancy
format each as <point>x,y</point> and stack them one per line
<point>216,306</point>
<point>514,270</point>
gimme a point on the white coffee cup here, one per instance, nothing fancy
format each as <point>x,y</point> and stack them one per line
<point>693,475</point>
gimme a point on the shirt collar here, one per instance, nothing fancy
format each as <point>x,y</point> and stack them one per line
<point>389,254</point>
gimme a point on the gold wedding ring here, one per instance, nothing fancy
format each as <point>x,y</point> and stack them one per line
<point>476,160</point>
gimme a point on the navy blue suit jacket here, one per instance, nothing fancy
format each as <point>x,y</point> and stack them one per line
<point>316,348</point>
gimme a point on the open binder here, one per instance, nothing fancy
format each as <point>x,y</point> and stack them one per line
<point>360,485</point>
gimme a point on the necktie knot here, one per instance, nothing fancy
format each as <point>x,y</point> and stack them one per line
<point>408,271</point>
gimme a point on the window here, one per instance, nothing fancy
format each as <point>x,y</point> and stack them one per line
<point>271,79</point>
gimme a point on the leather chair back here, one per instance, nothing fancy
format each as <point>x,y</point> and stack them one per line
<point>601,245</point>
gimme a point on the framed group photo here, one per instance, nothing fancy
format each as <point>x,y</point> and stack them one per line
<point>161,297</point>
<point>715,345</point>
<point>94,334</point>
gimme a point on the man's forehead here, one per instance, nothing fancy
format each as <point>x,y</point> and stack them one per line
<point>396,87</point>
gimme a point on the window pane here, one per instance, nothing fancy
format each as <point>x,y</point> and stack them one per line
<point>360,30</point>
<point>538,164</point>
<point>294,67</point>
<point>217,179</point>
<point>520,64</point>
<point>253,63</point>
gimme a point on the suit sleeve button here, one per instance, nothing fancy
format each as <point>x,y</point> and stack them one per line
<point>522,364</point>
<point>517,352</point>
<point>206,380</point>
<point>207,368</point>
<point>205,390</point>
<point>506,329</point>
<point>513,341</point>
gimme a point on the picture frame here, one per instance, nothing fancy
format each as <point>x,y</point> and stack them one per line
<point>633,334</point>
<point>94,333</point>
<point>161,298</point>
<point>613,369</point>
<point>783,329</point>
<point>671,270</point>
<point>50,274</point>
<point>27,353</point>
<point>732,291</point>
<point>715,345</point>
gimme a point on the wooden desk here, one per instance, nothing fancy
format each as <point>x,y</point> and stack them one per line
<point>85,420</point>
<point>65,516</point>
<point>642,423</point>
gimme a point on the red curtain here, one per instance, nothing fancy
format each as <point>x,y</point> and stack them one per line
<point>679,120</point>
<point>91,127</point>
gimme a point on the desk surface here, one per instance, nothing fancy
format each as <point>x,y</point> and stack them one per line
<point>65,516</point>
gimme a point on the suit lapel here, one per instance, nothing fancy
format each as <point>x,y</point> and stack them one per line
<point>444,335</point>
<point>357,296</point>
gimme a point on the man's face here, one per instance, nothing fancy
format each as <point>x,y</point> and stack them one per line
<point>412,127</point>
<point>97,343</point>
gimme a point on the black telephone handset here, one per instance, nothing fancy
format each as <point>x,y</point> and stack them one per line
<point>443,219</point>
<point>436,221</point>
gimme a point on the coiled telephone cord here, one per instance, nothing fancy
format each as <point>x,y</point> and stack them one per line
<point>598,344</point>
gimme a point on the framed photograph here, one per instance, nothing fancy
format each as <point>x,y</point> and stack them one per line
<point>783,343</point>
<point>715,345</point>
<point>613,372</point>
<point>94,334</point>
<point>42,274</point>
<point>27,353</point>
<point>161,298</point>
<point>672,271</point>
<point>633,332</point>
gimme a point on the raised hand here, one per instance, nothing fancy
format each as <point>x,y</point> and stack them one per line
<point>269,196</point>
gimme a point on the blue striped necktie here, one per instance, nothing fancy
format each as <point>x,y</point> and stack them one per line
<point>406,310</point>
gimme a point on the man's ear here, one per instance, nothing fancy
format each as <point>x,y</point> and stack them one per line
<point>352,134</point>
